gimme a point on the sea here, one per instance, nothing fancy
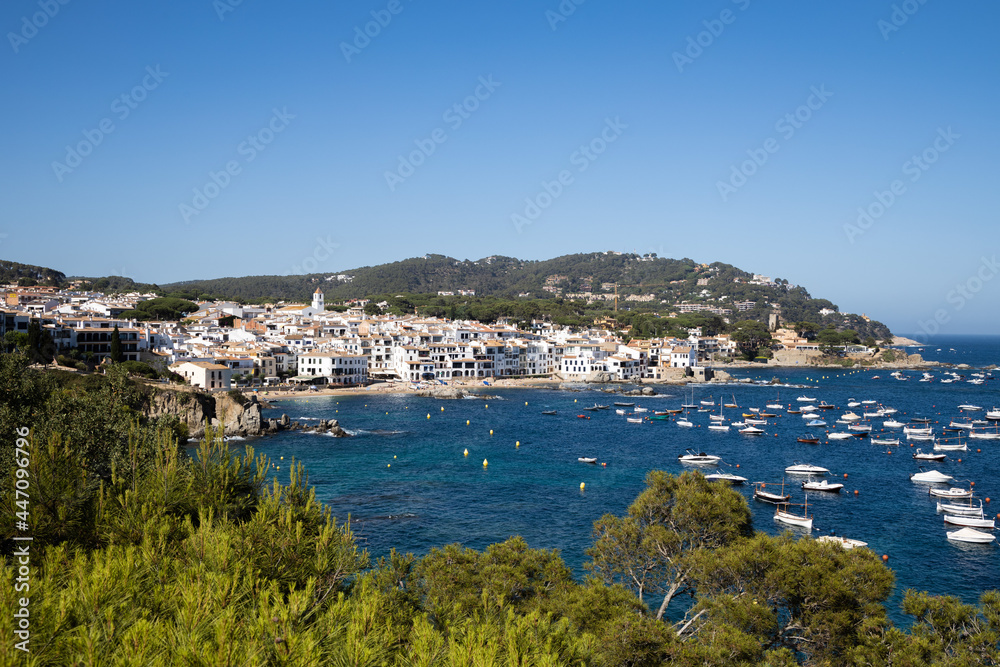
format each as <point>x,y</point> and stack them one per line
<point>420,473</point>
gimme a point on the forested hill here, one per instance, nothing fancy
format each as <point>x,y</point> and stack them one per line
<point>669,280</point>
<point>28,274</point>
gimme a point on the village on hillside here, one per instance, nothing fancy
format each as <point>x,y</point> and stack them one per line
<point>227,344</point>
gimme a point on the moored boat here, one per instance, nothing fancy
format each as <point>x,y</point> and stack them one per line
<point>930,477</point>
<point>954,492</point>
<point>805,469</point>
<point>735,480</point>
<point>822,485</point>
<point>970,535</point>
<point>971,522</point>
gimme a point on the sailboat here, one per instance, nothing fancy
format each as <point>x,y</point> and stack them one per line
<point>783,514</point>
<point>759,493</point>
<point>777,403</point>
<point>731,405</point>
<point>718,422</point>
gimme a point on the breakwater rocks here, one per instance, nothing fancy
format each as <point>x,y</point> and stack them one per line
<point>451,393</point>
<point>235,413</point>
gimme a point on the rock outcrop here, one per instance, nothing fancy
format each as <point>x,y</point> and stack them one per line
<point>235,413</point>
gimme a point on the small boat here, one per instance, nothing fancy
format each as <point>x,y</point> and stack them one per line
<point>969,521</point>
<point>919,437</point>
<point>940,447</point>
<point>805,469</point>
<point>582,417</point>
<point>850,417</point>
<point>717,418</point>
<point>718,427</point>
<point>684,422</point>
<point>805,399</point>
<point>860,427</point>
<point>591,409</point>
<point>840,436</point>
<point>735,480</point>
<point>641,410</point>
<point>767,497</point>
<point>950,493</point>
<point>962,425</point>
<point>822,485</point>
<point>964,510</point>
<point>889,442</point>
<point>826,406</point>
<point>970,535</point>
<point>707,402</point>
<point>927,456</point>
<point>892,423</point>
<point>793,412</point>
<point>853,404</point>
<point>625,405</point>
<point>984,436</point>
<point>700,458</point>
<point>731,405</point>
<point>774,406</point>
<point>602,407</point>
<point>808,439</point>
<point>920,420</point>
<point>869,402</point>
<point>752,430</point>
<point>930,477</point>
<point>587,459</point>
<point>816,422</point>
<point>661,413</point>
<point>548,412</point>
<point>634,420</point>
<point>809,408</point>
<point>767,415</point>
<point>620,411</point>
<point>845,542</point>
<point>756,422</point>
<point>674,412</point>
<point>782,514</point>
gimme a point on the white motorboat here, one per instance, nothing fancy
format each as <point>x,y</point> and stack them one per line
<point>718,427</point>
<point>755,422</point>
<point>969,521</point>
<point>752,430</point>
<point>930,477</point>
<point>700,458</point>
<point>735,480</point>
<point>970,535</point>
<point>738,424</point>
<point>984,436</point>
<point>918,430</point>
<point>869,402</point>
<point>850,417</point>
<point>805,399</point>
<point>782,514</point>
<point>889,442</point>
<point>943,447</point>
<point>963,510</point>
<point>587,459</point>
<point>637,409</point>
<point>634,420</point>
<point>889,411</point>
<point>892,423</point>
<point>950,493</point>
<point>707,402</point>
<point>853,404</point>
<point>822,485</point>
<point>845,542</point>
<point>775,406</point>
<point>839,436</point>
<point>863,428</point>
<point>993,414</point>
<point>970,408</point>
<point>815,423</point>
<point>684,422</point>
<point>927,456</point>
<point>619,411</point>
<point>805,469</point>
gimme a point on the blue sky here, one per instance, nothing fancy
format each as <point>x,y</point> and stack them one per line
<point>196,139</point>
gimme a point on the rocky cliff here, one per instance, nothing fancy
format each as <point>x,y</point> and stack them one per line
<point>237,414</point>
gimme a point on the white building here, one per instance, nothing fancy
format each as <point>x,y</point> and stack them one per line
<point>682,357</point>
<point>204,374</point>
<point>337,367</point>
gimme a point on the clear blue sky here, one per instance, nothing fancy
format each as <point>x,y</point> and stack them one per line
<point>199,79</point>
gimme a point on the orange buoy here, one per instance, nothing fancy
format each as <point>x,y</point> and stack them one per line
<point>737,465</point>
<point>960,460</point>
<point>885,557</point>
<point>987,500</point>
<point>845,475</point>
<point>978,451</point>
<point>972,483</point>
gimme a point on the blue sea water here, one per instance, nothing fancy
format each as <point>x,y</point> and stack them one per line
<point>406,484</point>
